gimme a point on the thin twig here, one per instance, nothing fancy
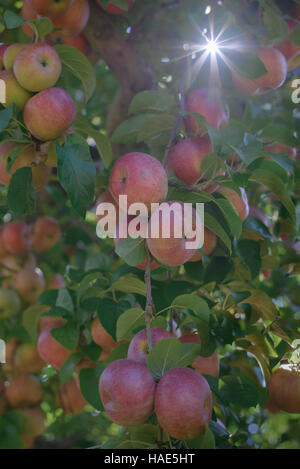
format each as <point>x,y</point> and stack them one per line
<point>148,310</point>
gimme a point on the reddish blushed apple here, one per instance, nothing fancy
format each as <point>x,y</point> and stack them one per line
<point>49,349</point>
<point>101,337</point>
<point>28,14</point>
<point>10,54</point>
<point>127,392</point>
<point>50,8</point>
<point>183,403</point>
<point>73,21</point>
<point>209,244</point>
<point>240,202</point>
<point>204,102</point>
<point>29,284</point>
<point>14,93</point>
<point>203,365</point>
<point>23,390</point>
<point>46,233</point>
<point>276,66</point>
<point>27,359</point>
<point>49,114</point>
<point>284,390</point>
<point>34,422</point>
<point>280,148</point>
<point>138,349</point>
<point>139,176</point>
<point>37,67</point>
<point>114,9</point>
<point>3,48</point>
<point>79,42</point>
<point>17,237</point>
<point>70,398</point>
<point>55,282</point>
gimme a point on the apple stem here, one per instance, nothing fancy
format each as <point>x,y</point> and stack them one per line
<point>181,92</point>
<point>148,310</point>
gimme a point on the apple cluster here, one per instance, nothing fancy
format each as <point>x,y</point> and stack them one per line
<point>130,394</point>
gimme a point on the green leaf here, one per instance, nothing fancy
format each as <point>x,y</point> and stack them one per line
<point>295,35</point>
<point>67,335</point>
<point>246,65</point>
<point>5,116</point>
<point>76,172</point>
<point>12,158</point>
<point>42,26</point>
<point>127,132</point>
<point>230,214</point>
<point>205,441</point>
<point>21,197</point>
<point>276,26</point>
<point>279,133</point>
<point>131,250</point>
<point>12,20</point>
<point>64,300</point>
<point>128,322</point>
<point>240,391</point>
<point>103,145</point>
<point>165,355</point>
<point>262,304</point>
<point>213,225</point>
<point>194,303</point>
<point>108,312</point>
<point>156,125</point>
<point>249,252</point>
<point>119,352</point>
<point>79,66</point>
<point>129,284</point>
<point>89,385</point>
<point>30,319</point>
<point>68,368</point>
<point>151,101</point>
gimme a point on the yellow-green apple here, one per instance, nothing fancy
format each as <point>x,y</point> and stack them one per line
<point>280,148</point>
<point>290,50</point>
<point>14,93</point>
<point>139,176</point>
<point>203,365</point>
<point>101,337</point>
<point>284,390</point>
<point>138,349</point>
<point>209,244</point>
<point>17,237</point>
<point>23,390</point>
<point>73,21</point>
<point>49,349</point>
<point>70,398</point>
<point>37,67</point>
<point>49,113</point>
<point>46,233</point>
<point>79,42</point>
<point>55,282</point>
<point>10,349</point>
<point>29,284</point>
<point>10,54</point>
<point>172,244</point>
<point>240,202</point>
<point>10,303</point>
<point>27,359</point>
<point>204,101</point>
<point>33,422</point>
<point>50,8</point>
<point>276,66</point>
<point>186,157</point>
<point>115,9</point>
<point>127,392</point>
<point>183,403</point>
<point>3,48</point>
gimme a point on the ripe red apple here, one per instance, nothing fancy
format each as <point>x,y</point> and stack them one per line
<point>203,101</point>
<point>240,203</point>
<point>138,349</point>
<point>280,148</point>
<point>37,67</point>
<point>3,48</point>
<point>17,237</point>
<point>79,42</point>
<point>46,322</point>
<point>127,392</point>
<point>172,250</point>
<point>183,403</point>
<point>33,422</point>
<point>73,21</point>
<point>101,337</point>
<point>10,54</point>
<point>29,284</point>
<point>185,158</point>
<point>210,242</point>
<point>27,359</point>
<point>275,63</point>
<point>290,50</point>
<point>14,93</point>
<point>28,14</point>
<point>284,390</point>
<point>114,9</point>
<point>50,8</point>
<point>46,233</point>
<point>10,303</point>
<point>55,282</point>
<point>70,398</point>
<point>139,176</point>
<point>23,390</point>
<point>204,365</point>
<point>50,350</point>
<point>49,114</point>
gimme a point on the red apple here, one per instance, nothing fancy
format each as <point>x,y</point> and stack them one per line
<point>186,157</point>
<point>171,250</point>
<point>139,176</point>
<point>79,42</point>
<point>203,365</point>
<point>290,50</point>
<point>29,284</point>
<point>70,398</point>
<point>50,8</point>
<point>55,282</point>
<point>73,21</point>
<point>46,233</point>
<point>275,63</point>
<point>203,101</point>
<point>284,390</point>
<point>50,350</point>
<point>28,14</point>
<point>138,349</point>
<point>114,9</point>
<point>37,67</point>
<point>49,114</point>
<point>127,392</point>
<point>16,237</point>
<point>23,390</point>
<point>280,148</point>
<point>101,337</point>
<point>210,242</point>
<point>14,93</point>
<point>240,203</point>
<point>183,403</point>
